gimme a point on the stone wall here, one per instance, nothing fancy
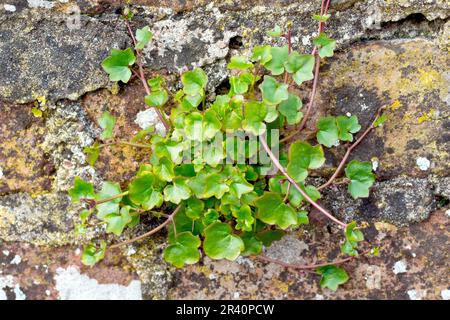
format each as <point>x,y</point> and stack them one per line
<point>392,53</point>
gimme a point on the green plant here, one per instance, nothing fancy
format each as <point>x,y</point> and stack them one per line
<point>225,209</point>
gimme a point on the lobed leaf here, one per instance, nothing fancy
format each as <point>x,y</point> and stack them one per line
<point>117,65</point>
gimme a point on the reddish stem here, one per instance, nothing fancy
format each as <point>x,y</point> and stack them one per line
<point>323,11</point>
<point>349,150</point>
<point>309,266</point>
<point>141,76</point>
<point>295,184</point>
<point>149,233</point>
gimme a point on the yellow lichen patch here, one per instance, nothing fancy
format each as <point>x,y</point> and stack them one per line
<point>6,218</point>
<point>395,105</point>
<point>429,78</point>
<point>25,165</point>
<point>426,116</point>
<point>119,163</point>
<point>385,227</point>
<point>409,76</point>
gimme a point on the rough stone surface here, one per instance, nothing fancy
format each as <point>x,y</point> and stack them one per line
<point>392,53</point>
<point>373,278</point>
<point>37,46</point>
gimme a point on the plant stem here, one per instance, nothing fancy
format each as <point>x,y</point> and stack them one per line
<point>312,95</point>
<point>309,266</point>
<point>349,150</point>
<point>286,197</point>
<point>149,233</point>
<point>292,181</point>
<point>126,143</point>
<point>288,37</point>
<point>120,195</point>
<point>162,117</point>
<point>323,11</point>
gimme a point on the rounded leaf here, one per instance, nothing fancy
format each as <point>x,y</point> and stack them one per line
<point>221,243</point>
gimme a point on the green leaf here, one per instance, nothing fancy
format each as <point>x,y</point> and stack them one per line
<point>156,98</point>
<point>254,115</point>
<point>240,186</point>
<point>156,83</point>
<point>185,170</point>
<point>184,223</point>
<point>301,66</point>
<point>210,217</point>
<point>194,82</point>
<point>143,37</point>
<point>252,245</point>
<point>332,277</point>
<point>221,243</point>
<point>290,108</point>
<point>183,250</point>
<point>143,134</point>
<point>195,208</point>
<point>348,248</point>
<point>279,58</point>
<point>272,210</point>
<point>321,18</point>
<point>177,192</point>
<point>117,64</point>
<point>273,92</point>
<point>302,217</point>
<point>81,190</point>
<point>36,112</point>
<point>333,129</point>
<point>263,54</point>
<point>239,62</point>
<point>240,84</point>
<point>328,134</point>
<point>142,192</point>
<point>326,45</point>
<point>303,156</point>
<point>346,126</point>
<point>215,186</point>
<point>275,32</point>
<point>202,127</point>
<point>380,120</point>
<point>244,218</point>
<point>109,190</point>
<point>84,215</point>
<point>92,153</point>
<point>91,254</point>
<point>375,251</point>
<point>107,123</point>
<point>267,237</point>
<point>352,234</point>
<point>116,222</point>
<point>164,169</point>
<point>361,178</point>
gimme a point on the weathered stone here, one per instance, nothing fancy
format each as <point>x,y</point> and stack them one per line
<point>372,278</point>
<point>45,219</point>
<point>25,166</point>
<point>41,55</point>
<point>411,78</point>
<point>401,201</point>
<point>47,273</point>
<point>119,163</point>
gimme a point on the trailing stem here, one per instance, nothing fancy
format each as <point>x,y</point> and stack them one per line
<point>310,266</point>
<point>295,184</point>
<point>350,149</point>
<point>140,74</point>
<point>152,231</point>
<point>323,11</point>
